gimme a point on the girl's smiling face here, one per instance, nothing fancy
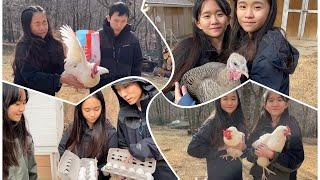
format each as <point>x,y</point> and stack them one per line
<point>16,109</point>
<point>252,14</point>
<point>212,21</point>
<point>229,102</point>
<point>275,105</point>
<point>91,110</point>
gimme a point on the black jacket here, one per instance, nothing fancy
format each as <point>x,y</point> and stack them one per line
<point>121,54</point>
<point>39,65</point>
<point>86,139</point>
<point>218,168</point>
<point>275,59</point>
<point>286,163</point>
<point>134,135</point>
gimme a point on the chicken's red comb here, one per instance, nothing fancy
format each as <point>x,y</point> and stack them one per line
<point>227,134</point>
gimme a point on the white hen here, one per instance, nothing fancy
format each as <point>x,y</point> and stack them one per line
<point>76,64</point>
<point>275,142</point>
<point>232,137</point>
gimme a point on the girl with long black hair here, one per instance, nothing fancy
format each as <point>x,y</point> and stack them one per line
<point>39,57</point>
<point>91,135</point>
<point>284,164</point>
<point>270,57</point>
<point>208,141</point>
<point>208,42</point>
<point>18,148</point>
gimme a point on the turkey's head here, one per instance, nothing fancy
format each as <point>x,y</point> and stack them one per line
<point>236,66</point>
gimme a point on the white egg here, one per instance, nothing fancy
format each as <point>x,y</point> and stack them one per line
<point>115,166</point>
<point>123,168</point>
<point>131,170</point>
<point>108,166</point>
<point>140,171</point>
<point>149,176</point>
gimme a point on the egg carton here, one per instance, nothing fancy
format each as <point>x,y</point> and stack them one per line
<point>131,169</point>
<point>71,167</point>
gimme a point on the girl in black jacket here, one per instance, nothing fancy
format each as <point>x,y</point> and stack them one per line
<point>134,96</point>
<point>270,57</point>
<point>208,141</point>
<point>286,163</point>
<point>208,43</point>
<point>91,135</point>
<point>39,57</point>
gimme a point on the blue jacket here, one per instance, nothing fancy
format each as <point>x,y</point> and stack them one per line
<point>275,59</point>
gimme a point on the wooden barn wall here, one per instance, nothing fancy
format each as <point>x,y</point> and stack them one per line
<point>178,19</point>
<point>310,31</point>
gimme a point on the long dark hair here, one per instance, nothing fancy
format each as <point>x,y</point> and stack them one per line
<point>12,130</point>
<point>38,51</point>
<point>222,120</point>
<point>190,51</point>
<point>99,138</point>
<point>265,117</point>
<point>240,40</point>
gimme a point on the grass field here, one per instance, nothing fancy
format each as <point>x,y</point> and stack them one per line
<point>174,143</point>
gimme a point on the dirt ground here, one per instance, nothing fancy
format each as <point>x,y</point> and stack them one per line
<point>303,82</point>
<point>174,143</point>
<point>66,92</point>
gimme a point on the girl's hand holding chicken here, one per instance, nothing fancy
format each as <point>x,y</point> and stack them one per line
<point>263,151</point>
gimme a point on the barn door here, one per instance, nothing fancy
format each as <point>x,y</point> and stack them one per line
<point>299,18</point>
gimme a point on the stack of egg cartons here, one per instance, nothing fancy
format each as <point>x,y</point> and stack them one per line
<point>119,164</point>
<point>71,167</point>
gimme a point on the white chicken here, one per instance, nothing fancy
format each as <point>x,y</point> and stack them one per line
<point>232,137</point>
<point>76,64</point>
<point>275,142</point>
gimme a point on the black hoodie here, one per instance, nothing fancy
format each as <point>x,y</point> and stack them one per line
<point>133,132</point>
<point>121,54</point>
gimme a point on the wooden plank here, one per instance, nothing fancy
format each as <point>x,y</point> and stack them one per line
<point>43,167</point>
<point>284,20</point>
<point>295,4</point>
<point>293,25</point>
<point>277,23</point>
<point>311,27</point>
<point>43,160</point>
<point>44,173</point>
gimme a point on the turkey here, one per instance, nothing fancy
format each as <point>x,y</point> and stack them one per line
<point>232,138</point>
<point>213,79</point>
<point>76,64</point>
<point>275,142</point>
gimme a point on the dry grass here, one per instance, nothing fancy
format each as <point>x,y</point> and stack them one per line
<point>303,82</point>
<point>173,144</point>
<point>66,92</point>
